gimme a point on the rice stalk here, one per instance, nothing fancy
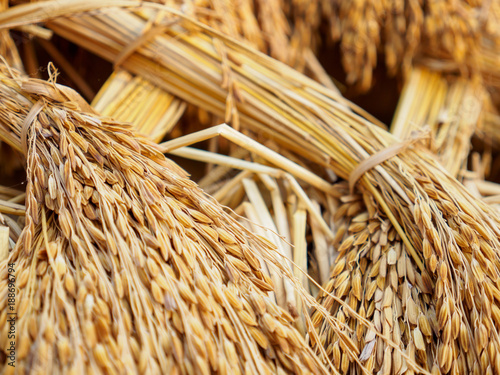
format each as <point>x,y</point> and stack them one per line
<point>151,110</point>
<point>4,241</point>
<point>451,108</point>
<point>8,47</point>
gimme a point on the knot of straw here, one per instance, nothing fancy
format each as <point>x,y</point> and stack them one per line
<point>385,154</point>
<point>28,121</point>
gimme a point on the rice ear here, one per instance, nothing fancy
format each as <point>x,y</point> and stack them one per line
<point>117,254</point>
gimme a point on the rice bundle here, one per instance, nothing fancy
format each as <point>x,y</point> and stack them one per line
<point>260,25</point>
<point>151,110</point>
<point>374,273</point>
<point>449,239</point>
<point>218,85</point>
<point>445,35</point>
<point>124,264</point>
<point>443,317</point>
<point>449,106</point>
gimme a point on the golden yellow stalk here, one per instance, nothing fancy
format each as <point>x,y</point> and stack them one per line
<point>450,107</point>
<point>153,111</point>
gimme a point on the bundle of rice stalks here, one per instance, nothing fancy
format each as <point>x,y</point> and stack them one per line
<point>446,35</point>
<point>239,20</point>
<point>210,72</point>
<point>151,110</point>
<point>124,264</point>
<point>451,108</point>
<point>375,275</point>
<point>450,238</point>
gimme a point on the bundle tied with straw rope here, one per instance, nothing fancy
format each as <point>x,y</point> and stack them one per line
<point>451,237</point>
<point>124,264</point>
<point>440,304</point>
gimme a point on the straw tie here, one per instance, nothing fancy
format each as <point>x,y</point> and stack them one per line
<point>28,121</point>
<point>147,34</point>
<point>383,155</point>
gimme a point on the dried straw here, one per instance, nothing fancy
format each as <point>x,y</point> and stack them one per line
<point>152,111</point>
<point>450,108</point>
<point>8,47</point>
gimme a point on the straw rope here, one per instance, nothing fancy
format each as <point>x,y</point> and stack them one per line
<point>147,34</point>
<point>28,121</point>
<point>385,154</point>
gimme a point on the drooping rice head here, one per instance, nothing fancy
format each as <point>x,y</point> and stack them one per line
<point>125,265</point>
<point>441,313</point>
